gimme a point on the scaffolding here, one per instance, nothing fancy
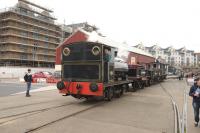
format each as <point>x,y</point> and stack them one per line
<point>28,37</point>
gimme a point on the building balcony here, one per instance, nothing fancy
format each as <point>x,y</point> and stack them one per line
<point>25,59</point>
<point>27,51</point>
<point>31,31</point>
<point>31,24</point>
<point>31,38</point>
<point>29,45</point>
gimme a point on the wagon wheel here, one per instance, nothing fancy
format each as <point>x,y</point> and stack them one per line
<point>139,85</point>
<point>118,94</point>
<point>121,92</point>
<point>134,89</point>
<point>149,82</point>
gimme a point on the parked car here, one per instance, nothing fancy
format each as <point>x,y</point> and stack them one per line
<point>41,76</point>
<point>54,78</point>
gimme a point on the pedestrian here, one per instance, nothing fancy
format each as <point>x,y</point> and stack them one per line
<point>28,80</point>
<point>195,93</point>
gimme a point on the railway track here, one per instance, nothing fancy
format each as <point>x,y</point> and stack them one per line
<point>65,117</point>
<point>25,105</point>
<point>75,108</point>
<point>13,117</point>
<point>179,119</point>
<point>78,107</point>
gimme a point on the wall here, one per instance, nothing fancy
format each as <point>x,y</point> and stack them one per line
<point>18,72</point>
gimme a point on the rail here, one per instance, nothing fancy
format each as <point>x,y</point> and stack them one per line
<point>184,113</point>
<point>177,120</point>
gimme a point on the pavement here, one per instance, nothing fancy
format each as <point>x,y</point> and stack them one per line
<point>148,110</point>
<point>9,88</point>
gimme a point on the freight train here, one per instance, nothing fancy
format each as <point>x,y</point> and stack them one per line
<point>95,66</point>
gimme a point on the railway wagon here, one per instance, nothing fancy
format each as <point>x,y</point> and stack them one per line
<point>95,66</point>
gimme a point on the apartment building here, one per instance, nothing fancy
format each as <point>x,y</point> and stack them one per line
<point>174,57</point>
<point>198,59</point>
<point>28,35</point>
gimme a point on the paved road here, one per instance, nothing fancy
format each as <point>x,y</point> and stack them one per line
<point>146,111</point>
<point>11,88</point>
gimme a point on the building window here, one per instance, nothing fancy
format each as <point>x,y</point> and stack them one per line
<point>24,27</point>
<point>23,11</point>
<point>46,51</point>
<point>46,45</point>
<point>23,56</point>
<point>36,29</point>
<point>35,48</point>
<point>46,58</point>
<point>35,36</point>
<point>3,47</point>
<point>46,38</point>
<point>24,41</point>
<point>23,48</point>
<point>24,33</point>
<point>57,40</point>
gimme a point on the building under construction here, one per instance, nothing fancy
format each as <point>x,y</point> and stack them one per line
<point>28,35</point>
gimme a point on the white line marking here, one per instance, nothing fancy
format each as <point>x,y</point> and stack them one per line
<point>47,88</point>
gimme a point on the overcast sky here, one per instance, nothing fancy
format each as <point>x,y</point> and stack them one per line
<point>163,22</point>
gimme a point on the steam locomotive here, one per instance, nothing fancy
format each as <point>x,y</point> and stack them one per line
<point>94,66</point>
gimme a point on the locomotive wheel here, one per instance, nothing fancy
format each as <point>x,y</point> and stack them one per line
<point>109,93</point>
<point>147,83</point>
<point>119,93</point>
<point>143,85</point>
<point>138,85</point>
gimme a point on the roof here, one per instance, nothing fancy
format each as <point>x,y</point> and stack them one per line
<point>95,37</point>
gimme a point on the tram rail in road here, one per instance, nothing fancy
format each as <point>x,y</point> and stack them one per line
<point>65,117</point>
<point>178,122</point>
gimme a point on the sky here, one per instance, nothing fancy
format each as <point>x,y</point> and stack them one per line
<point>163,22</point>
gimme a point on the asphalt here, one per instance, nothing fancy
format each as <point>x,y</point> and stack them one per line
<point>7,89</point>
<point>146,111</point>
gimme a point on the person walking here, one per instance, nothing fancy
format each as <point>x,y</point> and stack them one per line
<point>195,93</point>
<point>28,80</point>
